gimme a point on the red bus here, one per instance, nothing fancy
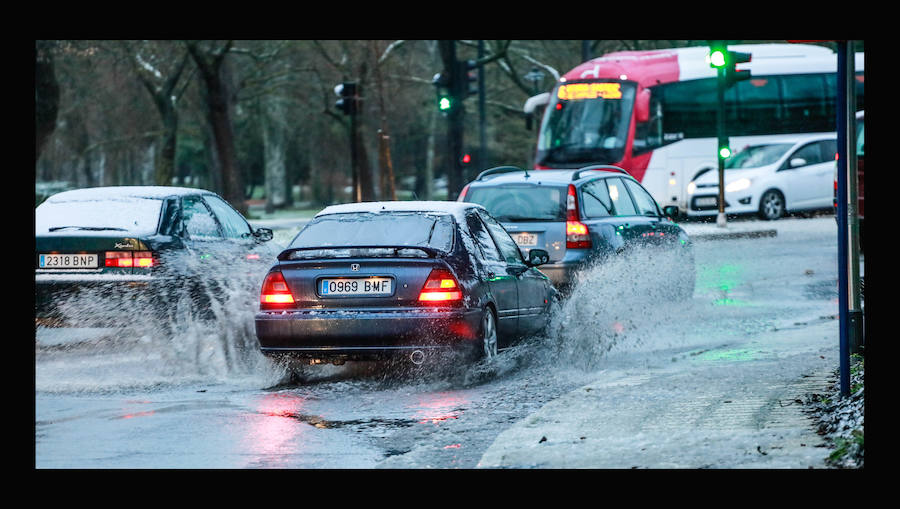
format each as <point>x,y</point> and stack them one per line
<point>653,113</point>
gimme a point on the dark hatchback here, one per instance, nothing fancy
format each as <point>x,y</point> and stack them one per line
<point>581,217</point>
<point>410,279</point>
<point>117,248</point>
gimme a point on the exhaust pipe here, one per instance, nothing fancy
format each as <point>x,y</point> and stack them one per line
<point>417,357</point>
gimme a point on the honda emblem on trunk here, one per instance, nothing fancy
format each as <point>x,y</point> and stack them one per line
<point>354,267</point>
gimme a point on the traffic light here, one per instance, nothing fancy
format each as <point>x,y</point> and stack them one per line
<point>724,147</point>
<point>732,74</point>
<point>441,82</point>
<point>465,76</point>
<point>718,55</point>
<point>347,93</point>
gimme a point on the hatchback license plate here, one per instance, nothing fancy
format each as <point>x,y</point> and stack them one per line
<point>525,239</point>
<point>706,202</point>
<point>370,286</point>
<point>68,261</point>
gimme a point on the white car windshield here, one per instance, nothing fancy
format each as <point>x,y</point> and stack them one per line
<point>757,155</point>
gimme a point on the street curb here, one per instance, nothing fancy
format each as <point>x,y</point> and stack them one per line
<point>734,235</point>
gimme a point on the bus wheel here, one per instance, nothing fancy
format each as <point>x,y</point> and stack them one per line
<point>771,205</point>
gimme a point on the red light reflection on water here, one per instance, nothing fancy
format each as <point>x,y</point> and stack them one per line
<point>273,433</point>
<point>438,407</point>
<point>130,413</point>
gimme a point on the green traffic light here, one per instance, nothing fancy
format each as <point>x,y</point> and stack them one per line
<point>716,58</point>
<point>444,103</point>
<point>724,152</point>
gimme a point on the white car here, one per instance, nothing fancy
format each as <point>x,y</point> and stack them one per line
<point>791,175</point>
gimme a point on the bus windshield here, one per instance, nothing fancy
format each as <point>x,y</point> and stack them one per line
<point>587,124</point>
<point>757,155</point>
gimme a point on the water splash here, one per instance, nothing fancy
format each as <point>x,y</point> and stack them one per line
<point>196,327</point>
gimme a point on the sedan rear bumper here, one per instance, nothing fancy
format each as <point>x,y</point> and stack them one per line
<point>100,294</point>
<point>365,333</point>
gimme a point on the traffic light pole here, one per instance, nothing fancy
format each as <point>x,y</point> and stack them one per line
<point>720,137</point>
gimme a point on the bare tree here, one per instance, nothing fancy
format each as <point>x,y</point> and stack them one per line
<point>46,95</point>
<point>210,60</point>
<point>364,189</point>
<point>160,72</point>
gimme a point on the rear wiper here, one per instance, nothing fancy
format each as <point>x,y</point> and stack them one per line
<point>92,228</point>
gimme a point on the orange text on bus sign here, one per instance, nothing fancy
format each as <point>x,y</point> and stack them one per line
<point>573,91</point>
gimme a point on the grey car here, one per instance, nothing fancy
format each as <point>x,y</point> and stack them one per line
<point>580,217</point>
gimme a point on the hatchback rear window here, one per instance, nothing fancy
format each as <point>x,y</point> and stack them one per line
<point>136,216</point>
<point>521,203</point>
<point>432,230</point>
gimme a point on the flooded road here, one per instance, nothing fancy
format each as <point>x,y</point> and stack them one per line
<point>203,397</point>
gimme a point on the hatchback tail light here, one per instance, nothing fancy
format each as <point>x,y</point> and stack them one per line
<point>440,286</point>
<point>577,234</point>
<point>128,259</point>
<point>275,292</point>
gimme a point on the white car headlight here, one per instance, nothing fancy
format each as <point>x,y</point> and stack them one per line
<point>738,185</point>
<point>691,188</point>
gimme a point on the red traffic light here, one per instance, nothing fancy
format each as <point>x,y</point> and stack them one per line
<point>466,159</point>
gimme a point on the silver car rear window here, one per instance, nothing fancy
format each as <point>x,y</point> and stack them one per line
<point>521,203</point>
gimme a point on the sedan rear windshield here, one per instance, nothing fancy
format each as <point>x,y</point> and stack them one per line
<point>135,216</point>
<point>412,229</point>
<point>521,203</point>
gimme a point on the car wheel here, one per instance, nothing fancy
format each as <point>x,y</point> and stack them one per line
<point>771,205</point>
<point>489,335</point>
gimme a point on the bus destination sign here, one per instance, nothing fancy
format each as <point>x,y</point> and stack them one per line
<point>574,91</point>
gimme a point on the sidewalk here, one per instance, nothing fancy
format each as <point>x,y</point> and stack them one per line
<point>699,411</point>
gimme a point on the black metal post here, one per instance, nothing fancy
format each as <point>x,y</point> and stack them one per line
<point>843,244</point>
<point>482,121</point>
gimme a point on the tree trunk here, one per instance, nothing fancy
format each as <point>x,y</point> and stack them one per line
<point>385,165</point>
<point>165,163</point>
<point>218,98</point>
<point>46,96</point>
<point>274,150</point>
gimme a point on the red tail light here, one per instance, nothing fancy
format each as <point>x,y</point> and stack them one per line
<point>440,286</point>
<point>577,234</point>
<point>121,259</point>
<point>275,291</point>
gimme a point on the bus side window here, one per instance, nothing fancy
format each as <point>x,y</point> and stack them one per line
<point>804,103</point>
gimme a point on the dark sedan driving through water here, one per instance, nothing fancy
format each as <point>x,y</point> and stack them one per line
<point>106,256</point>
<point>410,279</point>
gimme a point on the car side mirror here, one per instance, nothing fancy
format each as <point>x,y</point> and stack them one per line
<point>538,257</point>
<point>642,106</point>
<point>670,211</point>
<point>797,162</point>
<point>263,234</point>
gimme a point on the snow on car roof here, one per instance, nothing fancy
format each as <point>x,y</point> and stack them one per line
<point>114,211</point>
<point>120,192</point>
<point>449,207</point>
